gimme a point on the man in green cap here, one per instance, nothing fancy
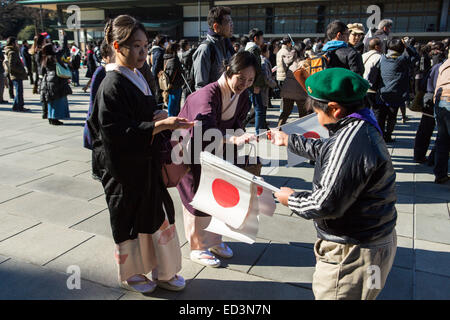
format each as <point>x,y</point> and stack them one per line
<point>353,198</point>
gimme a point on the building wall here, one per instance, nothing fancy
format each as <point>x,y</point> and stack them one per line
<point>312,17</point>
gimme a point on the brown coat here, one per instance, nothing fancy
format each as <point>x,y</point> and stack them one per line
<point>291,89</point>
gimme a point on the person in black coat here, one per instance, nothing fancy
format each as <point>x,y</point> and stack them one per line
<point>174,70</point>
<point>128,134</point>
<point>91,65</point>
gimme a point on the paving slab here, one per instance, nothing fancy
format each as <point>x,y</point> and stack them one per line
<point>64,153</point>
<point>293,230</point>
<point>31,161</point>
<point>67,187</point>
<point>432,287</point>
<point>9,192</point>
<point>11,225</point>
<point>51,208</point>
<point>399,285</point>
<point>405,203</point>
<point>98,224</point>
<point>405,224</point>
<point>433,190</point>
<point>433,257</point>
<point>69,168</point>
<point>224,284</point>
<point>15,176</point>
<point>42,243</point>
<point>431,207</point>
<point>404,256</point>
<point>26,281</point>
<point>432,229</point>
<point>286,263</point>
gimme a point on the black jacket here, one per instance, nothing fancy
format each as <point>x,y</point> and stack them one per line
<point>353,197</point>
<point>127,158</point>
<point>174,70</point>
<point>53,87</point>
<point>347,58</point>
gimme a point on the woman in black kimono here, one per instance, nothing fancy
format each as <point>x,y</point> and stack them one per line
<point>126,128</point>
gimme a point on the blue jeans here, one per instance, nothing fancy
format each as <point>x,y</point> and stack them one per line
<point>260,111</point>
<point>76,77</point>
<point>173,106</point>
<point>18,98</point>
<point>442,113</point>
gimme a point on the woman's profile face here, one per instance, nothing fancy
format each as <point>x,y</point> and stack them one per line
<point>242,80</point>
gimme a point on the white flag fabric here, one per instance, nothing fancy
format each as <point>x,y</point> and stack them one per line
<point>307,126</point>
<point>233,197</point>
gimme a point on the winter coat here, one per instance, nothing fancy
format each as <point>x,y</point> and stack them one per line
<point>370,60</point>
<point>53,87</point>
<point>394,70</point>
<point>291,89</point>
<point>343,56</point>
<point>209,58</point>
<point>157,60</point>
<point>256,51</point>
<point>127,158</point>
<point>284,60</point>
<point>15,65</point>
<point>91,64</point>
<point>174,70</point>
<point>25,56</point>
<point>353,196</point>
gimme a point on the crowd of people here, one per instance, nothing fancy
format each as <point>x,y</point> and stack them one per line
<point>226,83</point>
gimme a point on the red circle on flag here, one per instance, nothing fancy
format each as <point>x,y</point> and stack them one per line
<point>259,190</point>
<point>311,134</point>
<point>225,193</point>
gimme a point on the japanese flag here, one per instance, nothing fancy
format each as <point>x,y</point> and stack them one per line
<point>231,197</point>
<point>307,126</point>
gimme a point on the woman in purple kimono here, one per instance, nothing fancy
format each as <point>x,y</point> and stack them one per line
<point>221,105</point>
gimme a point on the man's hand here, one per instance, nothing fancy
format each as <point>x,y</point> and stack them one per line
<point>283,195</point>
<point>278,138</point>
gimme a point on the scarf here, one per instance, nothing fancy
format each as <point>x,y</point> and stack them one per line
<point>135,77</point>
<point>334,44</point>
<point>229,100</point>
<point>367,115</point>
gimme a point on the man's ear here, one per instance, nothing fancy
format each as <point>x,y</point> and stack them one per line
<point>216,27</point>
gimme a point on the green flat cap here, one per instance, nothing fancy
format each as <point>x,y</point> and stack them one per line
<point>336,84</point>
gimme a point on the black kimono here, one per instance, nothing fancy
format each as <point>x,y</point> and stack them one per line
<point>126,159</point>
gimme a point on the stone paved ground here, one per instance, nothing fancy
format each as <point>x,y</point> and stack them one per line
<point>53,216</point>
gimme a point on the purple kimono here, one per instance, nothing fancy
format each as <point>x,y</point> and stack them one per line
<point>206,105</point>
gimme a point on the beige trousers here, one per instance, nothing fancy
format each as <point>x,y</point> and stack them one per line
<point>198,238</point>
<point>352,272</point>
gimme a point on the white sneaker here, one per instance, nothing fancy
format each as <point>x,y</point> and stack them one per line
<point>177,283</point>
<point>205,258</point>
<point>222,250</point>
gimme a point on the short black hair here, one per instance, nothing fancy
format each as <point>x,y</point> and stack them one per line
<point>350,108</point>
<point>239,61</point>
<point>160,40</point>
<point>255,32</point>
<point>216,14</point>
<point>10,41</point>
<point>183,44</point>
<point>374,42</point>
<point>244,40</point>
<point>396,44</point>
<point>334,28</point>
<point>264,48</point>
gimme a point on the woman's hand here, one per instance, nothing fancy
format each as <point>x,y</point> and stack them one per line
<point>278,138</point>
<point>283,195</point>
<point>245,138</point>
<point>160,115</point>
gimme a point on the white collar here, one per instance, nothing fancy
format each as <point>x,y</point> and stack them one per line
<point>135,77</point>
<point>229,100</point>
